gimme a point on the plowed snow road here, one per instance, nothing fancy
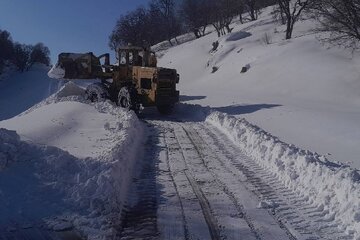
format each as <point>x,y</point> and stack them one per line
<point>196,184</point>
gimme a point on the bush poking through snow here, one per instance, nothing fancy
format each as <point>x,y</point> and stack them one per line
<point>215,46</point>
<point>214,69</point>
<point>245,68</point>
<point>266,39</point>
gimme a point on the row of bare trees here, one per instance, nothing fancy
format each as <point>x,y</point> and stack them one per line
<point>165,19</point>
<point>340,19</point>
<point>21,55</point>
<point>147,26</point>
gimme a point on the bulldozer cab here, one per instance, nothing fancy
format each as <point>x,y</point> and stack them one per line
<point>136,56</point>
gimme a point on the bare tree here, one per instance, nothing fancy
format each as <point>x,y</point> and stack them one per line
<point>170,24</point>
<point>222,13</point>
<point>6,47</point>
<point>253,9</point>
<point>39,54</point>
<point>130,28</point>
<point>292,10</point>
<point>341,18</point>
<point>22,56</point>
<point>196,16</point>
<point>229,11</point>
<point>240,8</point>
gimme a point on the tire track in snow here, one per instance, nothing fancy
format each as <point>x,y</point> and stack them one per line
<point>210,220</point>
<point>198,165</point>
<point>140,215</point>
<point>192,215</point>
<point>184,221</point>
<point>259,231</point>
<point>293,211</point>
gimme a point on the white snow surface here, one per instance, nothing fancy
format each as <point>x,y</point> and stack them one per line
<point>72,161</point>
<point>300,90</point>
<point>56,72</point>
<point>332,187</point>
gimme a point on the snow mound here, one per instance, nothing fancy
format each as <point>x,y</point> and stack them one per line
<point>334,187</point>
<point>83,157</point>
<point>68,92</point>
<point>70,89</point>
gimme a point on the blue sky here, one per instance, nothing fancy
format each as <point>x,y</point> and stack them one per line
<point>64,25</point>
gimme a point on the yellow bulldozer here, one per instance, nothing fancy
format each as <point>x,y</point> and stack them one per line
<point>133,82</point>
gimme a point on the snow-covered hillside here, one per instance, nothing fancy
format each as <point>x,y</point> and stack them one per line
<point>248,155</point>
<point>20,91</point>
<point>299,90</point>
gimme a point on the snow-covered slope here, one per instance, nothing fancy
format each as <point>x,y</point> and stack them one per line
<point>299,90</point>
<point>20,91</point>
<point>72,161</point>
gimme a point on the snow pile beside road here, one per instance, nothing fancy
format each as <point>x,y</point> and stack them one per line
<point>83,157</point>
<point>332,187</point>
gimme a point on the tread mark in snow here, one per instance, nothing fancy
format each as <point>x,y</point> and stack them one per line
<point>213,226</point>
<point>294,210</point>
<point>140,220</point>
<point>186,231</point>
<point>238,206</point>
<point>240,233</point>
<point>197,227</point>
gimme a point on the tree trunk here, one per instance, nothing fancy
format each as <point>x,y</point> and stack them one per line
<point>203,30</point>
<point>229,30</point>
<point>218,30</point>
<point>252,15</point>
<point>196,32</point>
<point>289,28</point>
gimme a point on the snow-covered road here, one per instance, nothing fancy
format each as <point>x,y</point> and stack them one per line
<point>99,172</point>
<point>197,184</point>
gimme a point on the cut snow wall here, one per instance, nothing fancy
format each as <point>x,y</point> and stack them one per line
<point>98,186</point>
<point>331,186</point>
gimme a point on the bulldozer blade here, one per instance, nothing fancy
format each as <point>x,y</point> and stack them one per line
<point>76,66</point>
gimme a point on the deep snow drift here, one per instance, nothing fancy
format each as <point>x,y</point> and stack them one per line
<point>298,89</point>
<point>68,165</point>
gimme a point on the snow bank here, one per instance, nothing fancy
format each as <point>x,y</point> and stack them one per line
<point>333,187</point>
<point>92,189</point>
